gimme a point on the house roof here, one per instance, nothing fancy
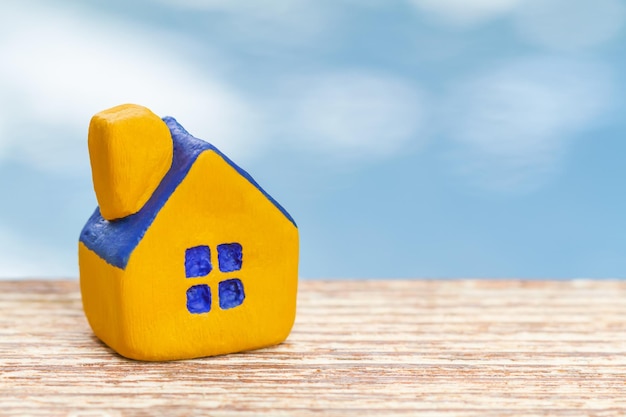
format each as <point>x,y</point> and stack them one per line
<point>114,241</point>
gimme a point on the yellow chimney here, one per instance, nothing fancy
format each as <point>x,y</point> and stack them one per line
<point>130,149</point>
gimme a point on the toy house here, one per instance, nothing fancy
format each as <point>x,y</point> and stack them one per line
<point>186,255</point>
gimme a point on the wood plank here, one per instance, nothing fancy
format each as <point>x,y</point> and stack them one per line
<point>440,348</point>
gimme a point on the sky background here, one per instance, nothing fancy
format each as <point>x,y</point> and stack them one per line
<point>408,138</point>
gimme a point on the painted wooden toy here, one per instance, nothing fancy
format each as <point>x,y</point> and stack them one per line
<point>186,255</point>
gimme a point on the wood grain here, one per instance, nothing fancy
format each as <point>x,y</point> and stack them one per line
<point>440,348</point>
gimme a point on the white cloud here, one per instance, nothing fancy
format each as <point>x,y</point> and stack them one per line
<point>555,24</point>
<point>61,67</point>
<point>3,134</point>
<point>513,124</point>
<point>275,9</point>
<point>275,22</point>
<point>20,258</point>
<point>464,12</point>
<point>353,115</point>
<point>570,24</point>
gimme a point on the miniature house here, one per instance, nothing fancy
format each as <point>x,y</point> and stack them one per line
<point>186,255</point>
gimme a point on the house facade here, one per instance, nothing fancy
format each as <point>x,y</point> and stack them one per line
<point>207,266</point>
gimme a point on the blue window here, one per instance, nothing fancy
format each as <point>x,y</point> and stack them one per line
<point>229,257</point>
<point>198,261</point>
<point>231,293</point>
<point>199,299</point>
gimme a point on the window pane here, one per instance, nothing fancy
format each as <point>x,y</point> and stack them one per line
<point>231,293</point>
<point>199,299</point>
<point>229,257</point>
<point>198,261</point>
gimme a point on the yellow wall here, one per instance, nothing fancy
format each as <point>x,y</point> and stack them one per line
<point>101,287</point>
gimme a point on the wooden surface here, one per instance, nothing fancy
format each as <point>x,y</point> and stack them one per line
<point>441,348</point>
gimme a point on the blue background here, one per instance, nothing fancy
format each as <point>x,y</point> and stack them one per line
<point>408,138</point>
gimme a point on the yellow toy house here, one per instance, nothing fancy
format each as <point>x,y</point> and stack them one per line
<point>186,255</point>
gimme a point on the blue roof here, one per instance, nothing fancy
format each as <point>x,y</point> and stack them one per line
<point>114,241</point>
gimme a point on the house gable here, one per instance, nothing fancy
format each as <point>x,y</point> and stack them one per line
<point>215,272</point>
<point>115,241</point>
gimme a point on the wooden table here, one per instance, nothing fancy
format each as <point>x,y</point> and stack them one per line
<point>440,348</point>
